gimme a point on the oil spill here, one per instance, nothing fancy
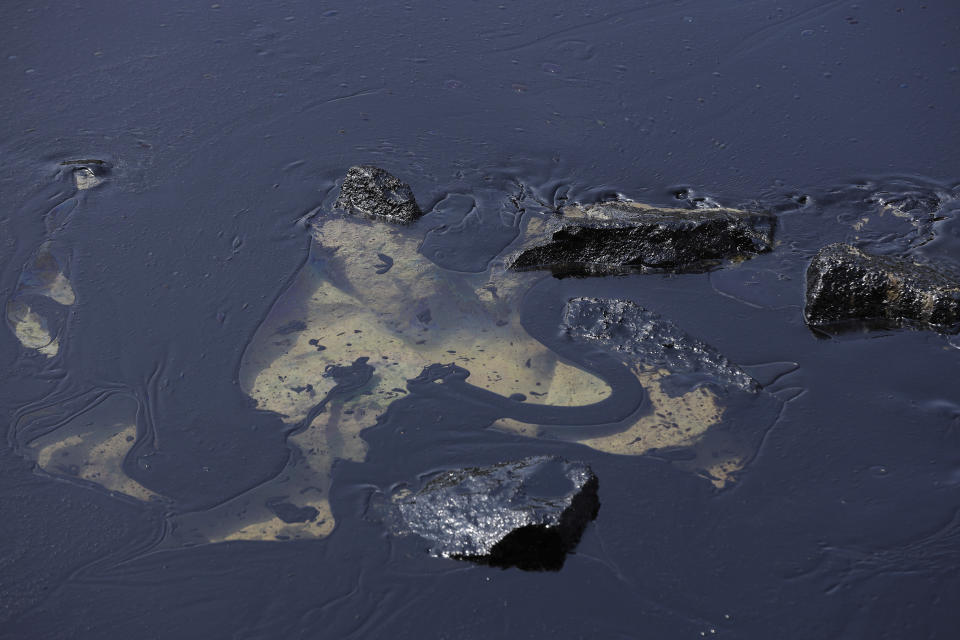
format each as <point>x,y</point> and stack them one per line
<point>151,280</point>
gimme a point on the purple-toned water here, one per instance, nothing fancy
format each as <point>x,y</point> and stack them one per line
<point>218,127</point>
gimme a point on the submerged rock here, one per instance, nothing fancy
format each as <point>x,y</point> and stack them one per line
<point>651,340</point>
<point>87,173</point>
<point>373,192</point>
<point>846,285</point>
<point>527,513</point>
<point>614,237</point>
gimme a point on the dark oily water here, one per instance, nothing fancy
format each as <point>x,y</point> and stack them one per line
<point>202,384</point>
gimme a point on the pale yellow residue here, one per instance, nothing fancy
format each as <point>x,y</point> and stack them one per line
<point>412,315</point>
<point>104,465</point>
<point>45,455</point>
<point>47,279</point>
<point>859,224</point>
<point>357,246</point>
<point>515,426</point>
<point>85,178</point>
<point>895,210</point>
<point>334,434</point>
<point>722,471</point>
<point>273,529</point>
<point>60,290</point>
<point>92,447</point>
<point>31,329</point>
<point>476,328</point>
<point>305,483</point>
<point>673,422</point>
<point>571,387</point>
<point>401,495</point>
<point>339,310</point>
<point>51,349</point>
<point>401,320</point>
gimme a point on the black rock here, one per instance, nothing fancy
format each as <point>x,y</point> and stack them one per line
<point>617,237</point>
<point>372,192</point>
<point>847,286</point>
<point>527,513</point>
<point>650,340</point>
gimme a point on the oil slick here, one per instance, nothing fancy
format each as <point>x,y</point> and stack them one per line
<point>344,306</point>
<point>34,323</point>
<point>673,422</point>
<point>365,295</point>
<point>90,445</point>
<point>403,320</point>
<point>30,319</point>
<point>31,329</point>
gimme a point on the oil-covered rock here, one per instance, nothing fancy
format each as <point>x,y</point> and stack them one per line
<point>375,193</point>
<point>528,513</point>
<point>616,237</point>
<point>650,339</point>
<point>846,286</point>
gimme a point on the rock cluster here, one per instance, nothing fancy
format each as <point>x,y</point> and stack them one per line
<point>846,285</point>
<point>530,513</point>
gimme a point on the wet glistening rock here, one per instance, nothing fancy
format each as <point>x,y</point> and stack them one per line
<point>613,237</point>
<point>846,285</point>
<point>528,513</point>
